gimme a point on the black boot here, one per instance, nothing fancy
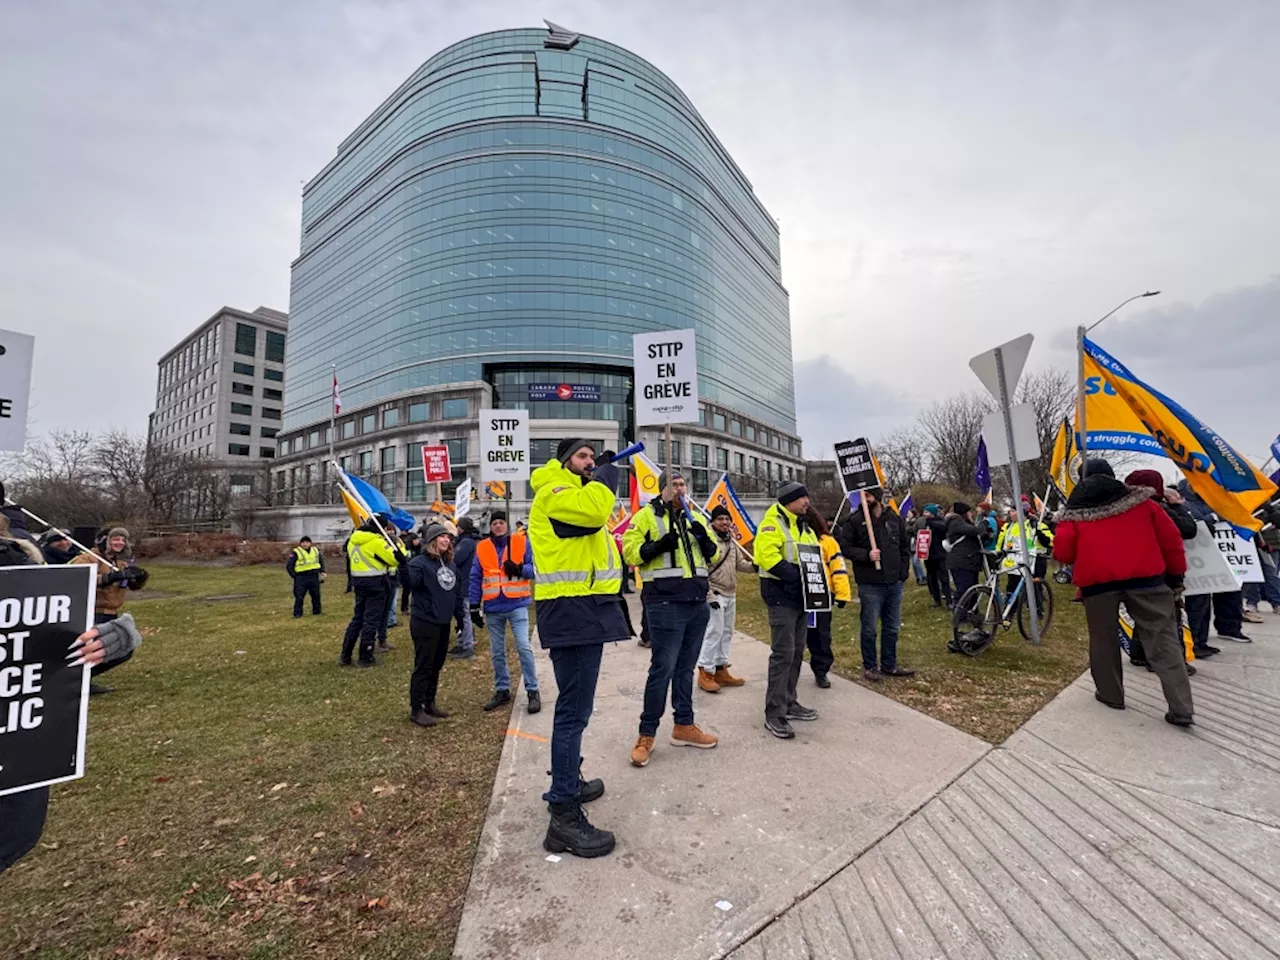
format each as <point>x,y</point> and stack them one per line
<point>589,790</point>
<point>535,701</point>
<point>570,832</point>
<point>499,698</point>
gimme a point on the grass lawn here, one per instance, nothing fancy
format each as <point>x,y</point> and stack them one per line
<point>247,798</point>
<point>989,696</point>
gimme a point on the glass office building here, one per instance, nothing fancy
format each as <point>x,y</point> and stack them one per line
<point>496,231</point>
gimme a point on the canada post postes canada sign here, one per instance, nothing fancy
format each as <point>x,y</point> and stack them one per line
<point>580,392</point>
<point>666,377</point>
<point>504,445</point>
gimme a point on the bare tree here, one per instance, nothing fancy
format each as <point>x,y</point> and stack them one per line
<point>951,429</point>
<point>1051,393</point>
<point>904,458</point>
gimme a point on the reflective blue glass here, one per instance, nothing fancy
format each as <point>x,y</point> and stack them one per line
<point>520,207</point>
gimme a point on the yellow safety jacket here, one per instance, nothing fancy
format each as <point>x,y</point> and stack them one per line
<point>837,573</point>
<point>1008,540</point>
<point>574,555</point>
<point>307,560</point>
<point>370,555</point>
<point>775,542</point>
<point>679,574</point>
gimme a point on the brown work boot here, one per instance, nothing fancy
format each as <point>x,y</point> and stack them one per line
<point>727,679</point>
<point>707,681</point>
<point>640,752</point>
<point>688,735</point>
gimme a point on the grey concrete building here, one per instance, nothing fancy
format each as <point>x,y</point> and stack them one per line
<point>220,392</point>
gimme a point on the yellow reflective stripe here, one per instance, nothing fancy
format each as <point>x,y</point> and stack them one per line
<point>789,552</point>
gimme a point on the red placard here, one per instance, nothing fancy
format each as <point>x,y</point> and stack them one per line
<point>924,540</point>
<point>435,464</point>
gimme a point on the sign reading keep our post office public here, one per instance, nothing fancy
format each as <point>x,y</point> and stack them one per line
<point>504,445</point>
<point>16,352</point>
<point>813,578</point>
<point>666,377</point>
<point>435,464</point>
<point>44,702</point>
<point>856,466</point>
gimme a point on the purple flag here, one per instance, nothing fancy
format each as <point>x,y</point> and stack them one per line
<point>982,476</point>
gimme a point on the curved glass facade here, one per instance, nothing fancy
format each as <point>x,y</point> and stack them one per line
<point>513,207</point>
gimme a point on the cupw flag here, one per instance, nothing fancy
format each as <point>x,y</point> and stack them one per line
<point>337,400</point>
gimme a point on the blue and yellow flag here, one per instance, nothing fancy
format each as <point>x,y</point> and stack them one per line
<point>1112,424</point>
<point>723,495</point>
<point>1064,449</point>
<point>1231,486</point>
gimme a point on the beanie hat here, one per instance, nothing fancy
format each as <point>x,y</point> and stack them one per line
<point>933,509</point>
<point>568,447</point>
<point>960,507</point>
<point>498,515</point>
<point>1098,465</point>
<point>791,491</point>
<point>118,532</point>
<point>1147,478</point>
<point>669,475</point>
<point>467,525</point>
<point>720,510</point>
<point>304,539</point>
<point>434,530</point>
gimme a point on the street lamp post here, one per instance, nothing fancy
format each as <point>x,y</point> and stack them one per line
<point>1081,419</point>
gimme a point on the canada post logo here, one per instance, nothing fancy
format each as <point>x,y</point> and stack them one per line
<point>581,392</point>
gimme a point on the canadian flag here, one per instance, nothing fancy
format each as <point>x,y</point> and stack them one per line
<point>337,400</point>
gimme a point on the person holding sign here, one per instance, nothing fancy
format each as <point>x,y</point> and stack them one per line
<point>881,557</point>
<point>671,549</point>
<point>117,575</point>
<point>577,592</point>
<point>818,635</point>
<point>722,581</point>
<point>783,532</point>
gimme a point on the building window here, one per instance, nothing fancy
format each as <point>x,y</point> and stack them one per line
<point>754,464</point>
<point>242,389</point>
<point>388,457</point>
<point>275,347</point>
<point>368,423</point>
<point>390,418</point>
<point>266,452</point>
<point>419,412</point>
<point>246,342</point>
<point>737,463</point>
<point>344,463</point>
<point>449,490</point>
<point>457,450</point>
<point>701,483</point>
<point>455,409</point>
<point>276,375</point>
<point>662,453</point>
<point>242,409</point>
<point>271,413</point>
<point>722,459</point>
<point>270,394</point>
<point>269,432</point>
<point>238,449</point>
<point>244,369</point>
<point>768,469</point>
<point>241,429</point>
<point>241,486</point>
<point>717,421</point>
<point>702,416</point>
<point>313,438</point>
<point>366,463</point>
<point>348,430</point>
<point>735,427</point>
<point>698,454</point>
<point>751,433</point>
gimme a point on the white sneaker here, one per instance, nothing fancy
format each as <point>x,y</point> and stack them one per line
<point>1239,638</point>
<point>1251,616</point>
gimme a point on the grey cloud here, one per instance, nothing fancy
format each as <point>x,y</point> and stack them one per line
<point>833,404</point>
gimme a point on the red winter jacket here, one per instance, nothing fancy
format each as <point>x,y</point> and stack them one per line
<point>1118,539</point>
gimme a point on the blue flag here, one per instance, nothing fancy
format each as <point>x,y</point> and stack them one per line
<point>1275,448</point>
<point>908,504</point>
<point>982,475</point>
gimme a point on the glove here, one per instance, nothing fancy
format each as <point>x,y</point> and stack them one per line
<point>115,576</point>
<point>841,603</point>
<point>652,548</point>
<point>698,530</point>
<point>137,577</point>
<point>512,569</point>
<point>605,457</point>
<point>606,474</point>
<point>477,618</point>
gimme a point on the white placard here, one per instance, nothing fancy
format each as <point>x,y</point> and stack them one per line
<point>1025,437</point>
<point>1240,553</point>
<point>666,377</point>
<point>16,352</point>
<point>504,445</point>
<point>462,500</point>
<point>1207,567</point>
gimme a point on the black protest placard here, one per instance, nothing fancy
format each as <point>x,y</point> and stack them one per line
<point>813,578</point>
<point>44,703</point>
<point>856,465</point>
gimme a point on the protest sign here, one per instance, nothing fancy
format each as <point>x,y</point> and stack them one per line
<point>924,542</point>
<point>16,352</point>
<point>462,499</point>
<point>724,495</point>
<point>435,464</point>
<point>504,445</point>
<point>856,465</point>
<point>666,377</point>
<point>1241,554</point>
<point>1126,635</point>
<point>813,578</point>
<point>1207,568</point>
<point>44,703</point>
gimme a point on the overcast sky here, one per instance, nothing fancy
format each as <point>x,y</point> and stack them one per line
<point>948,174</point>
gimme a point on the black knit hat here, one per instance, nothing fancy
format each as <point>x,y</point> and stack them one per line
<point>790,491</point>
<point>720,510</point>
<point>1097,465</point>
<point>960,507</point>
<point>569,447</point>
<point>498,515</point>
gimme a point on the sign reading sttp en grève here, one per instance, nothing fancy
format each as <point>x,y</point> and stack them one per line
<point>504,445</point>
<point>666,377</point>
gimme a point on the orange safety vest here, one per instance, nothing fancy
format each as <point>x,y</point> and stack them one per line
<point>496,582</point>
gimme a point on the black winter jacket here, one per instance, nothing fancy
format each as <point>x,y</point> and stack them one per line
<point>966,550</point>
<point>438,593</point>
<point>937,527</point>
<point>891,538</point>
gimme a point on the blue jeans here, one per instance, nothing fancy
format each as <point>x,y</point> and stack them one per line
<point>497,623</point>
<point>467,635</point>
<point>1269,589</point>
<point>576,669</point>
<point>881,605</point>
<point>392,604</point>
<point>675,632</point>
<point>917,567</point>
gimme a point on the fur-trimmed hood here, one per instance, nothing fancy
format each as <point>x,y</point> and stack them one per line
<point>1100,497</point>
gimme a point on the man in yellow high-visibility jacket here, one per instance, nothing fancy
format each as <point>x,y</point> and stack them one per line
<point>578,608</point>
<point>306,566</point>
<point>373,562</point>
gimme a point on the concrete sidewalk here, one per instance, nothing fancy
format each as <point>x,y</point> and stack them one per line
<point>1090,834</point>
<point>712,844</point>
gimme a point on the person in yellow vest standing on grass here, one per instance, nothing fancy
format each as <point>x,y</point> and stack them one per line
<point>306,567</point>
<point>373,561</point>
<point>501,589</point>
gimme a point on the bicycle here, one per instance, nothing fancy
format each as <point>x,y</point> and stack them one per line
<point>984,607</point>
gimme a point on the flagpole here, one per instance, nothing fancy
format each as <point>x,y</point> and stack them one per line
<point>333,415</point>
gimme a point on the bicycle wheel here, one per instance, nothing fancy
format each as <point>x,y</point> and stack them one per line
<point>1044,610</point>
<point>971,631</point>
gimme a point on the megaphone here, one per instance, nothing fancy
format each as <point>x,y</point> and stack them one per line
<point>629,451</point>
